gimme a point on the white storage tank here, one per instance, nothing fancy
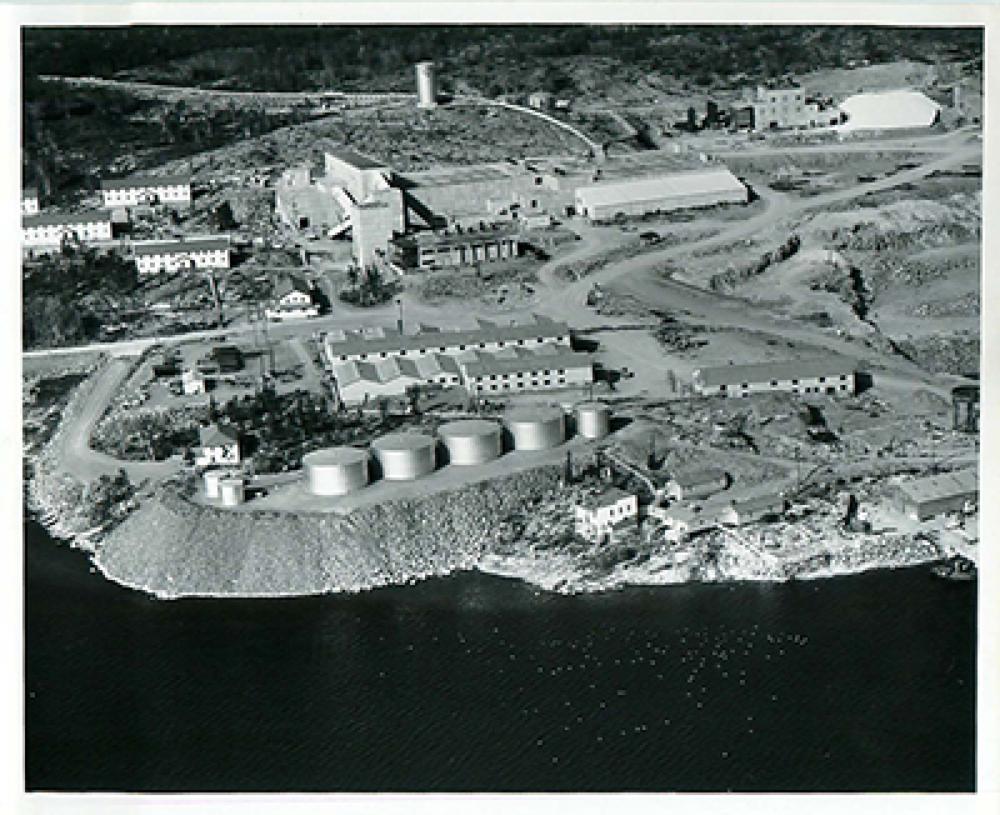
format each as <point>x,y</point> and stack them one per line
<point>336,470</point>
<point>404,456</point>
<point>536,428</point>
<point>426,85</point>
<point>593,420</point>
<point>232,490</point>
<point>471,441</point>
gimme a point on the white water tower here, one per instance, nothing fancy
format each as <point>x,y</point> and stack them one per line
<point>426,85</point>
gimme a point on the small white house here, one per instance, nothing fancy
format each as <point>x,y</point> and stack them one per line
<point>292,298</point>
<point>178,255</point>
<point>220,446</point>
<point>192,383</point>
<point>602,515</point>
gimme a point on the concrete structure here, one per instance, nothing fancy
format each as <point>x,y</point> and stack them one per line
<point>890,110</point>
<point>965,404</point>
<point>232,491</point>
<point>359,175</point>
<point>471,441</point>
<point>50,229</point>
<point>664,193</point>
<point>600,516</point>
<point>593,420</point>
<point>146,190</point>
<point>336,470</point>
<point>29,201</point>
<point>404,456</point>
<point>830,375</point>
<point>182,255</point>
<point>432,250</point>
<point>546,368</point>
<point>304,203</point>
<point>536,428</point>
<point>923,498</point>
<point>779,106</point>
<point>691,484</point>
<point>426,85</point>
<point>220,446</point>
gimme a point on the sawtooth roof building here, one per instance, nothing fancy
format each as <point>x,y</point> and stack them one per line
<point>828,375</point>
<point>699,188</point>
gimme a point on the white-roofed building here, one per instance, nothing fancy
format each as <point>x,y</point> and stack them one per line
<point>889,110</point>
<point>661,193</point>
<point>830,375</point>
<point>172,256</point>
<point>602,515</point>
<point>146,190</point>
<point>50,229</point>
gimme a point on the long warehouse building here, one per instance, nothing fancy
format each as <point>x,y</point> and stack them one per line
<point>662,193</point>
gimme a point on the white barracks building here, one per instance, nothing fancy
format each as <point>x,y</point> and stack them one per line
<point>182,255</point>
<point>146,190</point>
<point>833,375</point>
<point>49,229</point>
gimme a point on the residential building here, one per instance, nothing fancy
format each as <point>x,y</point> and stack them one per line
<point>182,255</point>
<point>601,516</point>
<point>923,498</point>
<point>829,375</point>
<point>690,484</point>
<point>293,297</point>
<point>430,250</point>
<point>146,190</point>
<point>50,229</point>
<point>541,100</point>
<point>608,200</point>
<point>29,201</point>
<point>220,446</point>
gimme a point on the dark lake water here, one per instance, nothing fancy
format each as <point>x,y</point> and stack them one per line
<point>478,683</point>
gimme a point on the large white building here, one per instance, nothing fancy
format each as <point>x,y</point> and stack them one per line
<point>828,375</point>
<point>889,110</point>
<point>146,190</point>
<point>661,193</point>
<point>603,515</point>
<point>50,229</point>
<point>182,255</point>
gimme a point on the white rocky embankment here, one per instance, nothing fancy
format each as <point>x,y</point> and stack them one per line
<point>173,548</point>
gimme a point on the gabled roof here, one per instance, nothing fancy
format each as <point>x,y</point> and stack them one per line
<point>181,246</point>
<point>217,436</point>
<point>86,216</point>
<point>944,485</point>
<point>144,181</point>
<point>832,365</point>
<point>290,283</point>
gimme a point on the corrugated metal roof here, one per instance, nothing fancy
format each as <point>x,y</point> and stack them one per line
<point>945,485</point>
<point>144,181</point>
<point>774,370</point>
<point>672,185</point>
<point>357,343</point>
<point>88,216</point>
<point>180,246</point>
<point>490,364</point>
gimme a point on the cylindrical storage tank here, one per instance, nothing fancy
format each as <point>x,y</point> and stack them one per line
<point>536,428</point>
<point>426,85</point>
<point>472,441</point>
<point>593,420</point>
<point>404,456</point>
<point>231,491</point>
<point>336,470</point>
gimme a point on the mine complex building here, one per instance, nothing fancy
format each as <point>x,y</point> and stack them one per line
<point>832,375</point>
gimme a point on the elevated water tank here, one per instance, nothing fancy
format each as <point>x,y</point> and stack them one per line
<point>536,428</point>
<point>232,491</point>
<point>471,441</point>
<point>404,456</point>
<point>336,470</point>
<point>426,85</point>
<point>593,420</point>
